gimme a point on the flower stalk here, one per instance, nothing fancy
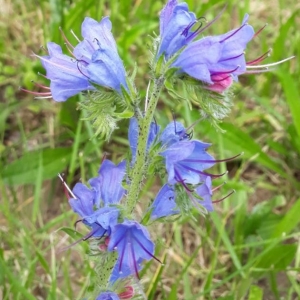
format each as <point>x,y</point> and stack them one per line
<point>140,165</point>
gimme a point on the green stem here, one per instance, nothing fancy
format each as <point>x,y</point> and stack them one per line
<point>139,168</point>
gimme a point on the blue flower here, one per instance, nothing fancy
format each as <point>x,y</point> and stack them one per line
<point>164,204</point>
<point>94,205</point>
<point>108,296</point>
<point>133,243</point>
<point>186,161</point>
<point>175,23</point>
<point>96,62</point>
<point>215,58</point>
<point>205,192</point>
<point>174,132</point>
<point>133,134</point>
<point>108,184</point>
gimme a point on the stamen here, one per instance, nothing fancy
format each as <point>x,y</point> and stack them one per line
<point>260,30</point>
<point>271,65</point>
<point>35,93</point>
<point>226,72</point>
<point>134,262</point>
<point>66,186</point>
<point>40,85</point>
<point>48,97</point>
<point>259,59</point>
<point>216,160</point>
<point>78,40</point>
<point>192,36</point>
<point>218,187</point>
<point>220,80</point>
<point>44,49</point>
<point>65,38</point>
<point>75,224</point>
<point>40,74</point>
<point>234,57</point>
<point>220,200</point>
<point>235,32</point>
<point>70,50</point>
<point>149,253</point>
<point>180,180</point>
<point>204,173</point>
<point>190,127</point>
<point>80,70</point>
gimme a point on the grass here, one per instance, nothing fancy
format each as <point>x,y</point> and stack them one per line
<point>248,249</point>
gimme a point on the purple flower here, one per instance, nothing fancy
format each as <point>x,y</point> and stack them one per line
<point>211,57</point>
<point>108,184</point>
<point>175,23</point>
<point>94,205</point>
<point>133,134</point>
<point>133,243</point>
<point>164,204</point>
<point>174,132</point>
<point>108,296</point>
<point>186,161</point>
<point>96,62</point>
<point>204,191</point>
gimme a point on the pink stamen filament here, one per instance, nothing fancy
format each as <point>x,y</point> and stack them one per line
<point>36,93</point>
<point>70,50</point>
<point>40,85</point>
<point>80,70</point>
<point>259,59</point>
<point>204,173</point>
<point>222,199</point>
<point>218,187</point>
<point>220,80</point>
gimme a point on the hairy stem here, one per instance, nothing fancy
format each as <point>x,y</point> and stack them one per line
<point>139,167</point>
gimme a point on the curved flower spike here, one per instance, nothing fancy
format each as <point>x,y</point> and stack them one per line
<point>164,204</point>
<point>133,243</point>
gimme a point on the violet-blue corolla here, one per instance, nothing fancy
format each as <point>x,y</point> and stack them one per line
<point>108,296</point>
<point>94,61</point>
<point>95,205</point>
<point>133,243</point>
<point>164,203</point>
<point>175,22</point>
<point>215,59</point>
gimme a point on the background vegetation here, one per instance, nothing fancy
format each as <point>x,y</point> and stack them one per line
<point>248,249</point>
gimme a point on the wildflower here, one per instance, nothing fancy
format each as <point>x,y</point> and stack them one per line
<point>108,296</point>
<point>94,205</point>
<point>174,132</point>
<point>164,204</point>
<point>214,59</point>
<point>186,161</point>
<point>108,184</point>
<point>204,191</point>
<point>133,243</point>
<point>95,62</point>
<point>133,134</point>
<point>175,22</point>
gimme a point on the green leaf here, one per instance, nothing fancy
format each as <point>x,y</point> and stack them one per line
<point>289,221</point>
<point>27,168</point>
